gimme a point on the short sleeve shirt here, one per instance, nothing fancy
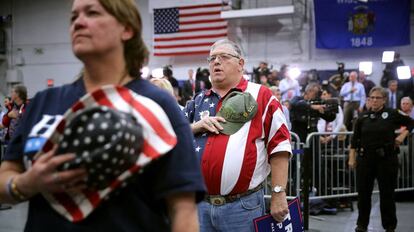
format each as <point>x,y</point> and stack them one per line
<point>141,206</point>
<point>233,164</point>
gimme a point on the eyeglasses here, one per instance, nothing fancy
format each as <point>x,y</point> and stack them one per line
<point>376,98</point>
<point>223,57</point>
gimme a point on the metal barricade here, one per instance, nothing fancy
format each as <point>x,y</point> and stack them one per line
<point>330,174</point>
<point>406,165</point>
<point>293,185</point>
<point>331,177</point>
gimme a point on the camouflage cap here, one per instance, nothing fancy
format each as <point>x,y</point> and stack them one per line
<point>237,109</point>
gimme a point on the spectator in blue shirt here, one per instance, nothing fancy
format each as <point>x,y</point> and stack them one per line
<point>353,94</point>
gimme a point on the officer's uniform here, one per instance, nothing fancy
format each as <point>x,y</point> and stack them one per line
<point>374,136</point>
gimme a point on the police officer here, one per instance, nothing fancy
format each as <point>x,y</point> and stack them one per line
<point>375,139</point>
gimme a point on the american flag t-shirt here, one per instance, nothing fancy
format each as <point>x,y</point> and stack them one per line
<point>188,30</point>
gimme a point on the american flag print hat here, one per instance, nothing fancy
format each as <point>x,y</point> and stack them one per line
<point>106,143</point>
<point>113,102</point>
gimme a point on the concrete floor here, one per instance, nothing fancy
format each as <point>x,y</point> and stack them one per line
<point>344,221</point>
<point>13,220</point>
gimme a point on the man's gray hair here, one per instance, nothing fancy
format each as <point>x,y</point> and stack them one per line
<point>312,86</point>
<point>379,89</point>
<point>274,89</point>
<point>354,72</point>
<point>231,44</point>
<point>390,82</point>
<point>407,99</point>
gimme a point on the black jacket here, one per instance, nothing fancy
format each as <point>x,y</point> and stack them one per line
<point>375,130</point>
<point>304,119</point>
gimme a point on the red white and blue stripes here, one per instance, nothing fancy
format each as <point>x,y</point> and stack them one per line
<point>159,138</point>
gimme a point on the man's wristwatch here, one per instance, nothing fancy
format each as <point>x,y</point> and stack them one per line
<point>278,189</point>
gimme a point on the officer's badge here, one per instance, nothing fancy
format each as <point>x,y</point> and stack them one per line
<point>204,114</point>
<point>384,115</point>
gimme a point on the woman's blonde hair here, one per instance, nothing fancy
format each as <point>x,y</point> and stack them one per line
<point>135,51</point>
<point>163,83</point>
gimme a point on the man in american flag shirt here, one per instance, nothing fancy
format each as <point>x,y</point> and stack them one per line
<point>234,166</point>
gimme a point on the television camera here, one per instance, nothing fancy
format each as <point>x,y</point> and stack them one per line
<point>331,104</point>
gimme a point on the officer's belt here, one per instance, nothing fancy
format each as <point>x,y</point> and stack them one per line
<point>374,147</point>
<point>223,199</point>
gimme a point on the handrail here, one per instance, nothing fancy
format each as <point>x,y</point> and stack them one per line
<point>296,136</point>
<point>309,137</point>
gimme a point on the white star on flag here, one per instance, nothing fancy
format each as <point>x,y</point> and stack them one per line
<point>198,149</point>
<point>211,105</point>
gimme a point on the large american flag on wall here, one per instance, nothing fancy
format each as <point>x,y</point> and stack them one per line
<point>188,30</point>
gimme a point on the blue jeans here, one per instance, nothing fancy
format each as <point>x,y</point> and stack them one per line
<point>235,216</point>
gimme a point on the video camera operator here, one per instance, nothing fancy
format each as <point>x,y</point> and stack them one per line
<point>263,69</point>
<point>305,113</point>
<point>202,80</point>
<point>307,109</point>
<point>390,71</point>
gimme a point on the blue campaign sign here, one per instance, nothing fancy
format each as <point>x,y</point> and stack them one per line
<point>354,24</point>
<point>292,223</point>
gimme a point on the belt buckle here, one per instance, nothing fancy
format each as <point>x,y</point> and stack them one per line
<point>217,200</point>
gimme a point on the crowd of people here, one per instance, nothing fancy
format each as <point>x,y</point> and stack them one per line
<point>14,107</point>
<point>328,106</point>
<point>210,143</point>
<point>351,91</point>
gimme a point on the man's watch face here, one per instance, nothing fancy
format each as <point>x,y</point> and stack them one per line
<point>278,189</point>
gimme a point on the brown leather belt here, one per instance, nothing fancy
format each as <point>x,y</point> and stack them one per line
<point>221,200</point>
